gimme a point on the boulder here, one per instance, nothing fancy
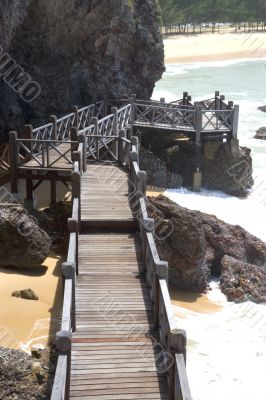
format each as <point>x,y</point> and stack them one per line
<point>22,243</point>
<point>261,133</point>
<point>241,281</point>
<point>262,108</point>
<point>198,245</point>
<point>27,294</point>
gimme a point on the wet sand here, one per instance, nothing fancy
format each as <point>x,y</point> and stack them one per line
<point>24,323</point>
<point>192,302</point>
<point>208,47</point>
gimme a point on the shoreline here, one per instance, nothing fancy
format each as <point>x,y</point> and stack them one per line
<point>209,47</point>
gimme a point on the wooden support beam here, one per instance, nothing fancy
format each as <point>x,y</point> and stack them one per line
<point>29,190</point>
<point>13,156</point>
<point>53,188</point>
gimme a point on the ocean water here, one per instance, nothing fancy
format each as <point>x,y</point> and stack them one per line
<point>226,348</point>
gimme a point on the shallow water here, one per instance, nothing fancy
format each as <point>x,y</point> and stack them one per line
<point>226,341</point>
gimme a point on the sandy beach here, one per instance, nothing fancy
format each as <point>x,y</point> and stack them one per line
<point>25,322</point>
<point>214,47</point>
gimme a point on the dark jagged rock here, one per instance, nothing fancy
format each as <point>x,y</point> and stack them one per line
<point>27,294</point>
<point>22,378</point>
<point>198,245</point>
<point>78,51</point>
<point>262,108</point>
<point>222,169</point>
<point>157,172</point>
<point>23,243</point>
<point>242,281</point>
<point>261,133</point>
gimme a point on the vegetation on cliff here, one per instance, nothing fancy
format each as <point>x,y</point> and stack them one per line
<point>194,11</point>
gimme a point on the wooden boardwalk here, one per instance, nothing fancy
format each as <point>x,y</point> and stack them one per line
<point>113,353</point>
<point>104,197</point>
<point>119,339</point>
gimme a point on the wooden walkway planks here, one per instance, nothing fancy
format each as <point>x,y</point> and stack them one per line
<point>104,196</point>
<point>114,348</point>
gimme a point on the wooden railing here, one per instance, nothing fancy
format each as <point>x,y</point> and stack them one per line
<point>172,338</point>
<point>70,269</point>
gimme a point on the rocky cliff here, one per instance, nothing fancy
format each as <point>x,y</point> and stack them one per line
<point>199,245</point>
<point>77,51</point>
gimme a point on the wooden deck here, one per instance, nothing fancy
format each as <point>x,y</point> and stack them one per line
<point>113,355</point>
<point>104,197</point>
<point>52,160</point>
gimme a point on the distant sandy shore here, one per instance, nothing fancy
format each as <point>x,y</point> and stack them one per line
<point>208,47</point>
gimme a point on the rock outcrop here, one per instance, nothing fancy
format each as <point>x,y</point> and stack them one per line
<point>262,108</point>
<point>222,169</point>
<point>22,243</point>
<point>261,133</point>
<point>157,172</point>
<point>198,245</point>
<point>22,378</point>
<point>78,51</point>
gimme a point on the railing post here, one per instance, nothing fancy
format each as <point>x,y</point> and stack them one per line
<point>235,120</point>
<point>76,188</point>
<point>135,142</point>
<point>217,94</point>
<point>178,343</point>
<point>69,272</point>
<point>76,119</point>
<point>74,138</point>
<point>105,105</point>
<point>161,269</point>
<point>95,122</point>
<point>121,147</point>
<point>197,176</point>
<point>114,145</point>
<point>27,134</point>
<point>141,182</point>
<point>114,111</point>
<point>132,100</point>
<point>53,120</point>
<point>82,139</point>
<point>185,95</point>
<point>13,156</point>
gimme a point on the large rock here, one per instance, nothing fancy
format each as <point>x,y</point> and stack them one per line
<point>22,243</point>
<point>78,51</point>
<point>261,133</point>
<point>242,281</point>
<point>198,245</point>
<point>262,108</point>
<point>157,172</point>
<point>223,167</point>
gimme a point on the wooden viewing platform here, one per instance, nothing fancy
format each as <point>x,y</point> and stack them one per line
<point>119,338</point>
